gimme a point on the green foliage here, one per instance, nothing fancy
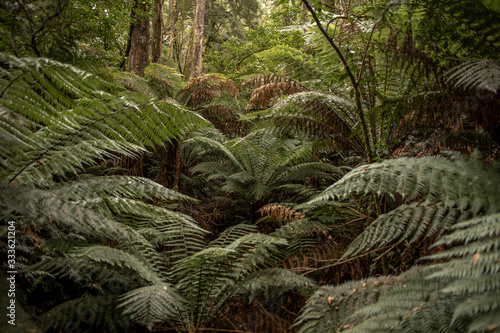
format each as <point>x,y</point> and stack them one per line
<point>65,30</point>
<point>238,57</point>
<point>239,168</point>
<point>447,190</point>
<point>59,119</point>
<point>152,304</point>
<point>330,308</point>
<point>97,311</point>
<point>460,294</point>
<point>313,115</point>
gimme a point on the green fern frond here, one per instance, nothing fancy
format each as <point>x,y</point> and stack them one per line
<point>137,188</point>
<point>118,258</point>
<point>304,68</point>
<point>456,182</point>
<point>163,80</point>
<point>405,303</point>
<point>300,227</point>
<point>413,222</point>
<point>474,264</point>
<point>272,283</point>
<point>330,308</point>
<point>214,146</point>
<point>313,115</point>
<point>482,75</point>
<point>152,304</point>
<point>98,312</point>
<point>231,234</point>
<point>34,203</point>
<point>134,83</point>
<point>69,119</point>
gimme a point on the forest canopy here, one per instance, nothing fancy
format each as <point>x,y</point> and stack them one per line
<point>250,166</point>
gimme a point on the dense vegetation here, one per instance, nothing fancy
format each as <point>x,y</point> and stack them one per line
<point>250,166</point>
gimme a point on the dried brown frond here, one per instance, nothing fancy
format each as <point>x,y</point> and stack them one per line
<point>225,118</point>
<point>267,94</point>
<point>205,89</point>
<point>281,214</point>
<point>262,79</point>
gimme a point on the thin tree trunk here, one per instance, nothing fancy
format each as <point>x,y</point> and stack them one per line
<point>354,82</point>
<point>157,31</point>
<point>174,43</point>
<point>199,25</point>
<point>139,40</point>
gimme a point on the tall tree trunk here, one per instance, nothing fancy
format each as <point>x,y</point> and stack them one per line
<point>138,58</point>
<point>157,31</point>
<point>199,25</point>
<point>174,43</point>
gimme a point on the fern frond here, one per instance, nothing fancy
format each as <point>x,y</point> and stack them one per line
<point>134,83</point>
<point>231,234</point>
<point>304,68</point>
<point>98,312</point>
<point>409,223</point>
<point>456,182</point>
<point>482,75</point>
<point>118,258</point>
<point>152,304</point>
<point>163,80</point>
<point>74,118</point>
<point>214,146</point>
<point>314,115</point>
<point>225,118</point>
<point>330,308</point>
<point>137,188</point>
<point>300,227</point>
<point>272,283</point>
<point>406,303</point>
<point>34,203</point>
<point>474,264</point>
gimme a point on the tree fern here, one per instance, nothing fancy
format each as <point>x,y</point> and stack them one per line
<point>66,118</point>
<point>313,115</point>
<point>451,189</point>
<point>240,170</point>
<point>209,278</point>
<point>460,294</point>
<point>458,291</point>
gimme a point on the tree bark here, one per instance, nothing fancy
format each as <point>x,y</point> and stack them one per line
<point>199,26</point>
<point>139,39</point>
<point>157,31</point>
